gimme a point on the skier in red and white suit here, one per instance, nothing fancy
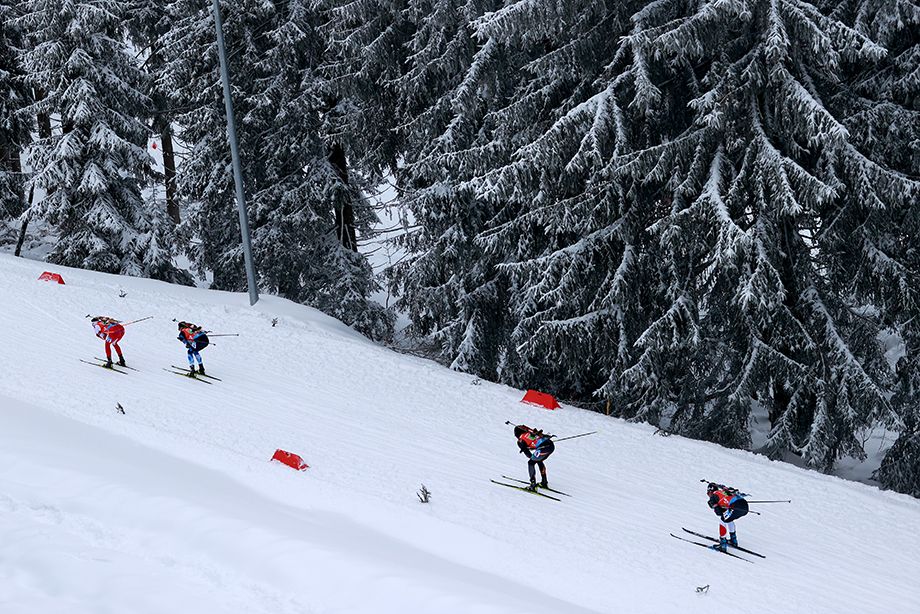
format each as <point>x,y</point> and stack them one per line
<point>111,331</point>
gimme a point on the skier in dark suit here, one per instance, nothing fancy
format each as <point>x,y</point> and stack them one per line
<point>537,446</point>
<point>729,504</point>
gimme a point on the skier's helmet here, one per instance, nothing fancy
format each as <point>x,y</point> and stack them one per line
<point>520,430</point>
<point>96,318</point>
<point>711,488</point>
<point>183,325</point>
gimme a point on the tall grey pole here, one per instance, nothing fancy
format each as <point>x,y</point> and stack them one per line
<point>235,156</point>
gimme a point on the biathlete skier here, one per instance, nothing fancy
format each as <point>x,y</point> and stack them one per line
<point>111,331</point>
<point>729,504</point>
<point>195,340</point>
<point>537,446</point>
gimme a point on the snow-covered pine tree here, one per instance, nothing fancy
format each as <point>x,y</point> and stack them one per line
<point>676,207</point>
<point>191,78</point>
<point>885,117</point>
<point>900,469</point>
<point>148,23</point>
<point>766,184</point>
<point>364,56</point>
<point>15,124</point>
<point>294,189</point>
<point>308,206</point>
<point>448,284</point>
<point>568,233</point>
<point>93,167</point>
<point>881,112</point>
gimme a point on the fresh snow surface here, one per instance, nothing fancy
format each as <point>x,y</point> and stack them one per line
<point>174,506</point>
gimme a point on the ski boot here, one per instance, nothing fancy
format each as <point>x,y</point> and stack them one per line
<point>722,546</point>
<point>733,539</point>
<point>191,371</point>
<point>108,364</point>
<point>533,485</point>
<point>121,361</point>
<point>544,484</point>
<point>201,369</point>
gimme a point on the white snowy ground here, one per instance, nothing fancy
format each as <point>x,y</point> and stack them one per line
<point>174,507</point>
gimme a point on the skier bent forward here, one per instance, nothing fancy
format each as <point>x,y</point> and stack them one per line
<point>111,331</point>
<point>195,340</point>
<point>537,446</point>
<point>729,504</point>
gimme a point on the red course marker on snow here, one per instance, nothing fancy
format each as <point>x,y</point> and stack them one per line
<point>48,276</point>
<point>540,399</point>
<point>290,459</point>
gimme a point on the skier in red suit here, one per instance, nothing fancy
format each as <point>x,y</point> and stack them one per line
<point>111,331</point>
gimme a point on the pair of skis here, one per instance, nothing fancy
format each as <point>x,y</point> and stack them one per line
<point>530,490</point>
<point>197,376</point>
<point>178,370</point>
<point>716,541</point>
<point>103,363</point>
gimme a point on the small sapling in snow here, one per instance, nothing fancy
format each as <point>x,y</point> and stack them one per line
<point>424,495</point>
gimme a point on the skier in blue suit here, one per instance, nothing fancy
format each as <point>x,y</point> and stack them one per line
<point>195,340</point>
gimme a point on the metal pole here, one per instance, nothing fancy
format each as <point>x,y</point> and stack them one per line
<point>235,157</point>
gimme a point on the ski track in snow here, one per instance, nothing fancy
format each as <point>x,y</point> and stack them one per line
<point>173,507</point>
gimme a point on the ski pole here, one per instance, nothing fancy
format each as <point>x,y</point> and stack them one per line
<point>223,334</point>
<point>736,491</point>
<point>782,501</point>
<point>131,322</point>
<point>574,436</point>
<point>561,439</point>
<point>136,321</point>
<point>704,481</point>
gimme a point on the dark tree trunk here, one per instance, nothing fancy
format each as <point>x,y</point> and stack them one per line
<point>780,402</point>
<point>24,227</point>
<point>781,395</point>
<point>44,119</point>
<point>345,212</point>
<point>44,132</point>
<point>169,167</point>
<point>9,158</point>
<point>44,125</point>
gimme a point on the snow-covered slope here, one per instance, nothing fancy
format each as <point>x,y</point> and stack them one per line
<point>173,507</point>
